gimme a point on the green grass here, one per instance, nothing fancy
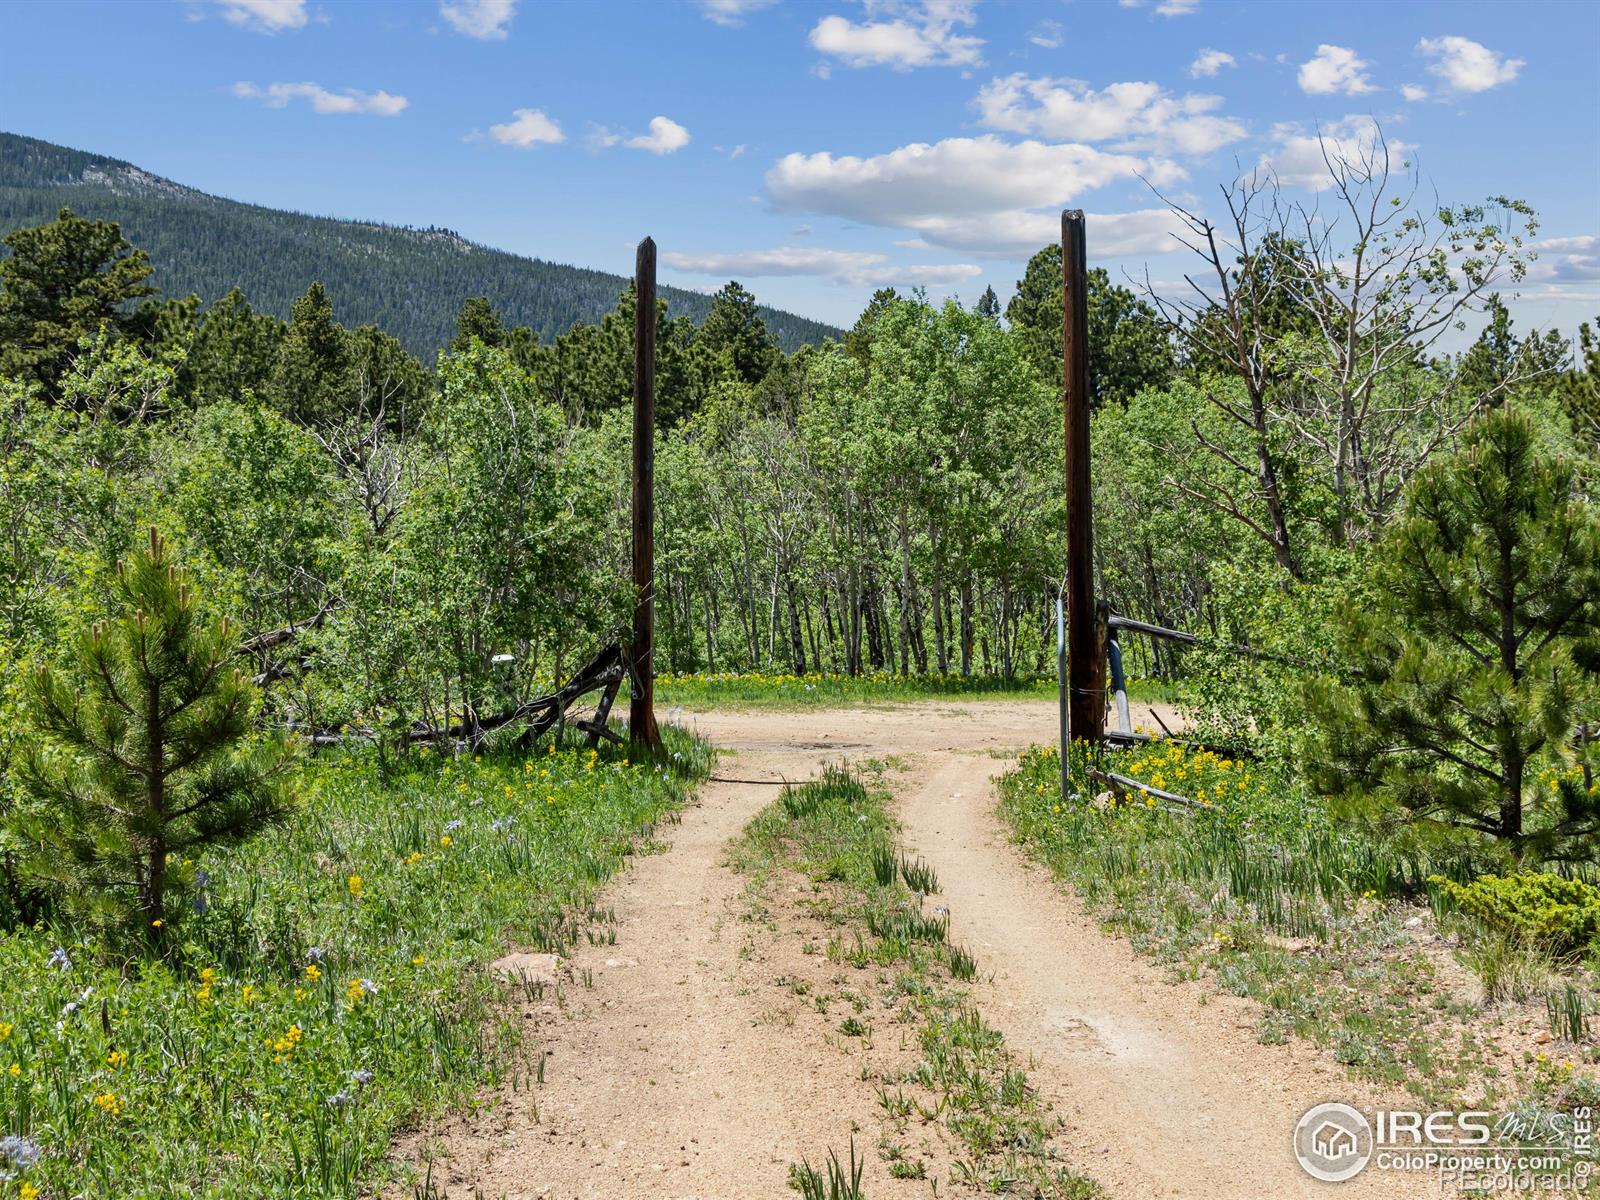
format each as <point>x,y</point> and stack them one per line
<point>333,990</point>
<point>756,689</point>
<point>837,831</point>
<point>1271,897</point>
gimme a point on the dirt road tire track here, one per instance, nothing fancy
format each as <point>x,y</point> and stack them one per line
<point>666,1080</point>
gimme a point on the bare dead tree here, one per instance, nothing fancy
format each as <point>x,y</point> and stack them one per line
<point>1383,278</point>
<point>1229,326</point>
<point>1327,315</point>
<point>368,455</point>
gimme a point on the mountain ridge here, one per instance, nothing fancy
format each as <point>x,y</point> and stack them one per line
<point>408,280</point>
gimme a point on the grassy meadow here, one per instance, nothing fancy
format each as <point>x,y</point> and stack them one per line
<point>333,987</point>
<point>1342,938</point>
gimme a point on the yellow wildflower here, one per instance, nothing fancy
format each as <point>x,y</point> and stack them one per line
<point>313,972</point>
<point>116,1059</point>
<point>355,885</point>
<point>108,1102</point>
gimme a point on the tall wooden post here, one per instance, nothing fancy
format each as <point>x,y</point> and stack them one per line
<point>1085,667</point>
<point>641,703</point>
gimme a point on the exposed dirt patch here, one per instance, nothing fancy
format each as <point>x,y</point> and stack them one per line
<point>693,1069</point>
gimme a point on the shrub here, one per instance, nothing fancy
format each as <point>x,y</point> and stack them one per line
<point>1536,907</point>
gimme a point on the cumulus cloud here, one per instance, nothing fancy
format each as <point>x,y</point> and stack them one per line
<point>341,103</point>
<point>528,127</point>
<point>1566,260</point>
<point>1208,62</point>
<point>1016,234</point>
<point>265,16</point>
<point>1301,156</point>
<point>857,268</point>
<point>977,195</point>
<point>922,35</point>
<point>956,175</point>
<point>486,20</point>
<point>1413,92</point>
<point>1140,115</point>
<point>1467,66</point>
<point>665,137</point>
<point>731,12</point>
<point>1334,69</point>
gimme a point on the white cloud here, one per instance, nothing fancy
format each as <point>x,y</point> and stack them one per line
<point>348,101</point>
<point>1583,242</point>
<point>957,175</point>
<point>528,127</point>
<point>665,136</point>
<point>1166,8</point>
<point>1413,92</point>
<point>1301,156</point>
<point>1468,66</point>
<point>1334,69</point>
<point>981,195</point>
<point>918,36</point>
<point>265,16</point>
<point>1047,35</point>
<point>1566,260</point>
<point>1142,115</point>
<point>737,151</point>
<point>1208,62</point>
<point>486,20</point>
<point>857,268</point>
<point>1017,234</point>
<point>731,12</point>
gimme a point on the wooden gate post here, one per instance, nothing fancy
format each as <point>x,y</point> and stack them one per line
<point>1085,664</point>
<point>641,700</point>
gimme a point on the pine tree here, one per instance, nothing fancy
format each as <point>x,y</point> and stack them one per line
<point>988,306</point>
<point>148,755</point>
<point>478,319</point>
<point>1479,654</point>
<point>734,327</point>
<point>312,379</point>
<point>234,351</point>
<point>61,283</point>
<point>1129,349</point>
<point>1579,389</point>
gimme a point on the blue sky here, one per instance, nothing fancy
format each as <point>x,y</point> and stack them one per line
<point>816,150</point>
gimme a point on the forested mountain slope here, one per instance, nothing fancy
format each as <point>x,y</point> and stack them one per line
<point>408,282</point>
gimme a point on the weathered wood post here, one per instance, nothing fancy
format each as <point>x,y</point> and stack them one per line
<point>641,703</point>
<point>1085,661</point>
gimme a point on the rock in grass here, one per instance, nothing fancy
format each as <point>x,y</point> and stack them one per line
<point>528,968</point>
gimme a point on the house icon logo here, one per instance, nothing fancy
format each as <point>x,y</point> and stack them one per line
<point>1333,1142</point>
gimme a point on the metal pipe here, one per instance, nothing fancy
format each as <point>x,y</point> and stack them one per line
<point>1118,684</point>
<point>1061,685</point>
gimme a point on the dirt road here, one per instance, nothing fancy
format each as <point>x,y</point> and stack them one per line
<point>677,1074</point>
